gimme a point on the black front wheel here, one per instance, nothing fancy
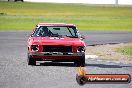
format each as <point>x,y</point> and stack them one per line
<point>80,62</point>
<point>31,61</point>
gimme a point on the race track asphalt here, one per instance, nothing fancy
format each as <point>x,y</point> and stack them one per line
<point>15,73</point>
<point>107,37</point>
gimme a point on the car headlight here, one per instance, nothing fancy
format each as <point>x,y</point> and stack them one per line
<point>81,49</point>
<point>34,47</point>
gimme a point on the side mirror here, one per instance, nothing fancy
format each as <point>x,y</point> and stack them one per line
<point>82,37</point>
<point>31,35</point>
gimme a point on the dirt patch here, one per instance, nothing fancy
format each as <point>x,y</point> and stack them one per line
<point>108,52</point>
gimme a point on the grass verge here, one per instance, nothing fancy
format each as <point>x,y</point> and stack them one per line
<point>127,50</point>
<point>24,16</point>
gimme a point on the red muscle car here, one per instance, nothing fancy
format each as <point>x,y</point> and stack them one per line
<point>57,42</point>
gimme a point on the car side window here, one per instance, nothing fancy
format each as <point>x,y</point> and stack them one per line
<point>40,32</point>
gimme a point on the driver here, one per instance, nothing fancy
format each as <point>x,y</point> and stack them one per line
<point>45,32</point>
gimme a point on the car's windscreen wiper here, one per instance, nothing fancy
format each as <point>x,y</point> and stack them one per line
<point>73,36</point>
<point>55,36</point>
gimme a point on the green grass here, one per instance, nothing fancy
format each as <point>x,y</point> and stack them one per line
<point>24,16</point>
<point>125,50</point>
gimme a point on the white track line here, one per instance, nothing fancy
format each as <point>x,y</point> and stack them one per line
<point>91,56</point>
<point>86,57</point>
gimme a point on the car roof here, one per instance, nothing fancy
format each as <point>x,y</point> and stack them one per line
<point>54,24</point>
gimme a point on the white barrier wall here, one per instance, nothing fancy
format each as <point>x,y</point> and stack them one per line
<point>127,2</point>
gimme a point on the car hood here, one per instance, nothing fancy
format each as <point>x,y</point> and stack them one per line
<point>57,41</point>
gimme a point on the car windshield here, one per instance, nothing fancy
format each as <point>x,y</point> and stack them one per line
<point>56,31</point>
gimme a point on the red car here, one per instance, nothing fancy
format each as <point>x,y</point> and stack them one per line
<point>57,42</point>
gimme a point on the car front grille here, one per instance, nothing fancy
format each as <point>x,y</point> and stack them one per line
<point>56,48</point>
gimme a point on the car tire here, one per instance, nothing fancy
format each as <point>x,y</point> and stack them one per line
<point>80,62</point>
<point>31,61</point>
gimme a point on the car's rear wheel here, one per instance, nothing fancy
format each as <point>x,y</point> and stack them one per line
<point>80,62</point>
<point>31,61</point>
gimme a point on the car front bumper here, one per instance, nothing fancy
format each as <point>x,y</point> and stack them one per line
<point>57,55</point>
